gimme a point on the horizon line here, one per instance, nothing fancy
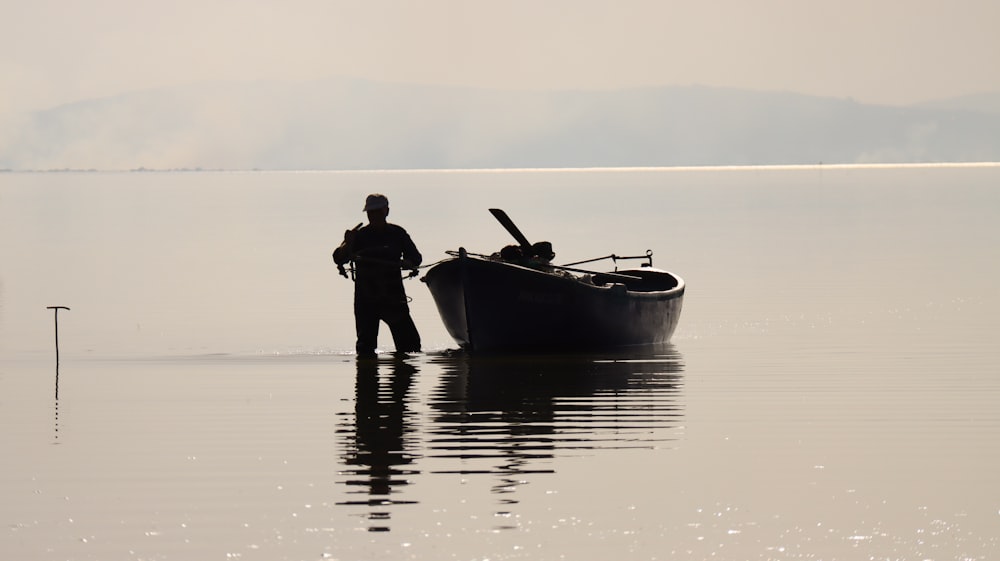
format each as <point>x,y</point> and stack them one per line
<point>733,167</point>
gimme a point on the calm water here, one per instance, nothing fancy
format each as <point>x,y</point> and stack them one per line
<point>832,392</point>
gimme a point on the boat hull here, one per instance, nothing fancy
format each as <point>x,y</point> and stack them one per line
<point>489,306</point>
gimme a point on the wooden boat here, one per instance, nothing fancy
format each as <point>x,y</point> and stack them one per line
<point>497,303</point>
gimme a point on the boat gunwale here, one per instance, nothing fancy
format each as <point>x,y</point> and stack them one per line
<point>673,292</point>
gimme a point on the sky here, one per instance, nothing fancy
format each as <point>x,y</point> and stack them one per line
<point>876,51</point>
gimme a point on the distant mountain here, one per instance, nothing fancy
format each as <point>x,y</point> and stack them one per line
<point>354,124</point>
<point>978,103</point>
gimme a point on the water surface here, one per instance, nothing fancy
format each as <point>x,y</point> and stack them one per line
<point>831,391</point>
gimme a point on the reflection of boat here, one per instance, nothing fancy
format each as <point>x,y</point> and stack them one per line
<point>508,414</point>
<point>519,301</point>
<point>513,418</point>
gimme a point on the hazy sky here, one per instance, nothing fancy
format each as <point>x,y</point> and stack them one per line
<point>881,51</point>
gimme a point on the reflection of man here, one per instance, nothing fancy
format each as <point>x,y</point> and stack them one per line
<point>379,250</point>
<point>379,451</point>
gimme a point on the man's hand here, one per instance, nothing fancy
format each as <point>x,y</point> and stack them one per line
<point>349,235</point>
<point>344,252</point>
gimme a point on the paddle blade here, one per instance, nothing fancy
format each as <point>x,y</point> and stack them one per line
<point>507,223</point>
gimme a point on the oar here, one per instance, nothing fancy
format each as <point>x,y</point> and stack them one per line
<point>613,276</point>
<point>514,231</point>
<point>507,223</point>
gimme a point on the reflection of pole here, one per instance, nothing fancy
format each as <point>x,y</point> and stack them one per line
<point>57,308</point>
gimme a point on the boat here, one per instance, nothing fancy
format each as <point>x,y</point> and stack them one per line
<point>517,300</point>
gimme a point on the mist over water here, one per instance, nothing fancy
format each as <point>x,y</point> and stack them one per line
<point>344,124</point>
<point>830,391</point>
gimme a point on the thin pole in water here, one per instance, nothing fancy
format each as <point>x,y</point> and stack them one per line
<point>57,308</point>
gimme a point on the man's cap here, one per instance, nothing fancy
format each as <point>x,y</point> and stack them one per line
<point>375,201</point>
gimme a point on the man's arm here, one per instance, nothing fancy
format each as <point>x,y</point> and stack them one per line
<point>342,254</point>
<point>345,251</point>
<point>411,257</point>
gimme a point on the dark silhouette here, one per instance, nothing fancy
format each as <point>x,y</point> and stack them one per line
<point>378,251</point>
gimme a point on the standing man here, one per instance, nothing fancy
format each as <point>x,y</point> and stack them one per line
<point>379,251</point>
